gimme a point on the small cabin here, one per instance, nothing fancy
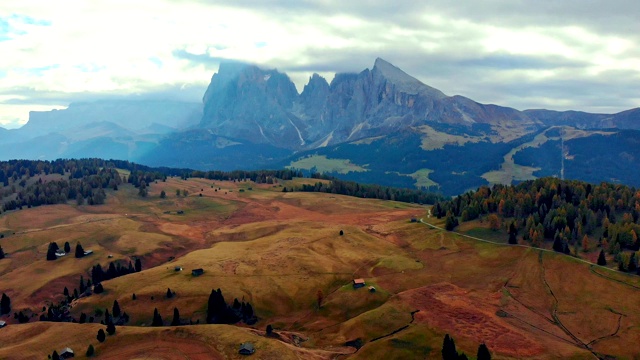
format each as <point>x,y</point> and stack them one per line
<point>197,272</point>
<point>60,253</point>
<point>66,353</point>
<point>88,252</point>
<point>246,349</point>
<point>178,268</point>
<point>358,283</point>
<point>2,324</point>
<point>372,289</point>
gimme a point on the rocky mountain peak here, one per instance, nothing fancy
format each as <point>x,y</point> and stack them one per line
<point>403,81</point>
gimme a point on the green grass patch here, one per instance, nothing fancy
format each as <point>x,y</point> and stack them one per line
<point>323,164</point>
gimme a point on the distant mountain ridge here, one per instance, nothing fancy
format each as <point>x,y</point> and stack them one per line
<point>380,125</point>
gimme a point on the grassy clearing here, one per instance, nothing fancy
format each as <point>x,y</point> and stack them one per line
<point>322,164</point>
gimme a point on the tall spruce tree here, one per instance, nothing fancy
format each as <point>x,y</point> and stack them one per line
<point>449,351</point>
<point>1,253</point>
<point>176,317</point>
<point>67,247</point>
<point>602,260</point>
<point>483,352</point>
<point>79,250</point>
<point>5,304</point>
<point>101,335</point>
<point>115,310</point>
<point>138,265</point>
<point>157,319</point>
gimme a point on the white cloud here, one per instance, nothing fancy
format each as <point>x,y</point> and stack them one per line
<point>115,46</point>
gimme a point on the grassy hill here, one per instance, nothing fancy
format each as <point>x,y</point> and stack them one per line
<point>276,251</point>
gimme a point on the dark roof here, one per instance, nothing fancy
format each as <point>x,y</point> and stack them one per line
<point>246,348</point>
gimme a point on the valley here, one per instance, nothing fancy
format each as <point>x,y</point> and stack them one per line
<point>278,251</point>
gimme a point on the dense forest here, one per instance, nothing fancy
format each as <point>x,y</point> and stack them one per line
<point>28,183</point>
<point>350,188</point>
<point>571,214</point>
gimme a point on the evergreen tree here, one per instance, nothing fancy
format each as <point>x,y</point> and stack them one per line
<point>82,286</point>
<point>111,328</point>
<point>163,194</point>
<point>65,292</point>
<point>450,222</point>
<point>55,355</point>
<point>169,293</point>
<point>1,253</point>
<point>67,247</point>
<point>483,352</point>
<point>101,335</point>
<point>513,233</point>
<point>269,330</point>
<point>138,266</point>
<point>602,261</point>
<point>115,310</point>
<point>90,351</point>
<point>449,351</point>
<point>98,288</point>
<point>157,319</point>
<point>51,251</point>
<point>176,317</point>
<point>133,297</point>
<point>5,304</point>
<point>83,318</point>
<point>79,250</point>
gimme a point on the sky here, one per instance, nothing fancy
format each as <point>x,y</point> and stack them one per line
<point>570,54</point>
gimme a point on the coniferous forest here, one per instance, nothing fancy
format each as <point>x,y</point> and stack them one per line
<point>568,214</point>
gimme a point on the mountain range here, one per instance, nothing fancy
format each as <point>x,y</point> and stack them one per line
<point>377,126</point>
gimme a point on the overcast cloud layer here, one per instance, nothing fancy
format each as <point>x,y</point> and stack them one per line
<point>569,54</point>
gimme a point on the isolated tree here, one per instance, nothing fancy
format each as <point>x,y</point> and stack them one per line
<point>341,232</point>
<point>111,328</point>
<point>83,318</point>
<point>602,261</point>
<point>115,310</point>
<point>483,352</point>
<point>1,253</point>
<point>157,319</point>
<point>101,335</point>
<point>133,297</point>
<point>55,355</point>
<point>163,194</point>
<point>138,265</point>
<point>90,351</point>
<point>79,250</point>
<point>169,293</point>
<point>176,317</point>
<point>269,330</point>
<point>5,304</point>
<point>65,292</point>
<point>449,351</point>
<point>67,247</point>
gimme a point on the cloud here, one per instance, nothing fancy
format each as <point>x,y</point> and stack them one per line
<point>559,55</point>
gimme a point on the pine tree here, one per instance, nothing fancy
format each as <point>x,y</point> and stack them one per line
<point>79,250</point>
<point>98,288</point>
<point>513,233</point>
<point>483,352</point>
<point>82,287</point>
<point>51,251</point>
<point>65,292</point>
<point>449,351</point>
<point>111,328</point>
<point>115,310</point>
<point>163,194</point>
<point>55,355</point>
<point>67,247</point>
<point>138,266</point>
<point>1,253</point>
<point>176,317</point>
<point>169,293</point>
<point>157,319</point>
<point>602,261</point>
<point>101,335</point>
<point>269,330</point>
<point>83,318</point>
<point>90,350</point>
<point>5,304</point>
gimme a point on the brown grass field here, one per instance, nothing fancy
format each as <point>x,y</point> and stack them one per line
<point>276,250</point>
